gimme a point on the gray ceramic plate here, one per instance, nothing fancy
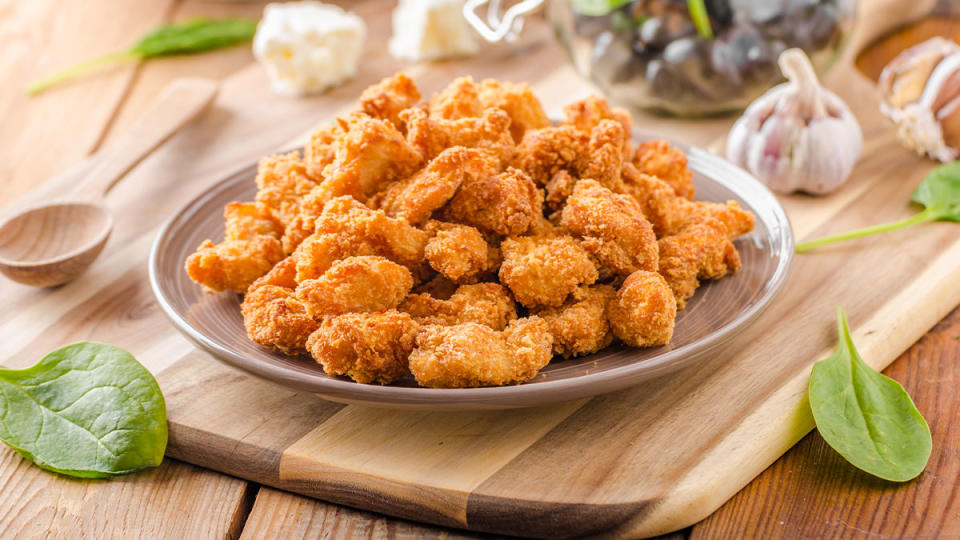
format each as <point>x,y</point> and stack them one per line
<point>719,310</point>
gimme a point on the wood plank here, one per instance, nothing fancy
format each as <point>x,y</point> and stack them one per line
<point>46,134</point>
<point>813,493</point>
<point>174,500</point>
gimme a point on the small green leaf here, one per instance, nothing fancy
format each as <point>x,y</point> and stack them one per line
<point>195,35</point>
<point>867,417</point>
<point>940,192</point>
<point>597,8</point>
<point>88,410</point>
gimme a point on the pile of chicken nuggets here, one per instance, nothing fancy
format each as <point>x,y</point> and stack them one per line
<point>466,240</point>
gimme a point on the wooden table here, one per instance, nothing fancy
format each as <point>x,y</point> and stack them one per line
<point>810,492</point>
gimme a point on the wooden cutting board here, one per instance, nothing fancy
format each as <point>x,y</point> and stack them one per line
<point>643,461</point>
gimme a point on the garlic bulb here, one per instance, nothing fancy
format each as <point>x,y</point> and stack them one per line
<point>798,136</point>
<point>922,97</point>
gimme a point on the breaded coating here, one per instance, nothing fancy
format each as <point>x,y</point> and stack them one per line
<point>504,204</point>
<point>459,252</point>
<point>319,151</point>
<point>249,250</point>
<point>644,310</point>
<point>587,113</point>
<point>558,189</point>
<point>667,163</point>
<point>489,132</point>
<point>386,99</point>
<point>580,325</point>
<point>611,227</point>
<point>488,304</point>
<point>593,154</point>
<point>371,153</point>
<point>274,317</point>
<point>417,197</point>
<point>518,101</point>
<point>439,287</point>
<point>356,285</point>
<point>736,221</point>
<point>701,251</point>
<point>470,355</point>
<point>348,228</point>
<point>543,271</point>
<point>367,347</point>
<point>283,274</point>
<point>282,180</point>
<point>458,100</point>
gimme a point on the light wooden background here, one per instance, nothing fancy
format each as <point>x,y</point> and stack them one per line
<point>809,492</point>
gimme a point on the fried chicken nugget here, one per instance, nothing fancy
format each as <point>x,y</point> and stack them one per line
<point>319,151</point>
<point>611,227</point>
<point>644,310</point>
<point>417,197</point>
<point>367,347</point>
<point>282,180</point>
<point>544,271</point>
<point>370,153</point>
<point>249,250</point>
<point>355,285</point>
<point>388,97</point>
<point>469,355</point>
<point>348,228</point>
<point>272,314</point>
<point>736,220</point>
<point>594,154</point>
<point>488,304</point>
<point>460,99</point>
<point>489,132</point>
<point>667,163</point>
<point>504,204</point>
<point>459,252</point>
<point>587,113</point>
<point>580,325</point>
<point>518,101</point>
<point>700,251</point>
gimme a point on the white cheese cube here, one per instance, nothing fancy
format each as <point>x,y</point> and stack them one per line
<point>308,47</point>
<point>431,30</point>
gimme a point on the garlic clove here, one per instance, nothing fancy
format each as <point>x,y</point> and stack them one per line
<point>798,136</point>
<point>920,88</point>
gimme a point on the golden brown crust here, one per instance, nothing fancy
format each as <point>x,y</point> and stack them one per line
<point>518,101</point>
<point>700,251</point>
<point>580,325</point>
<point>367,347</point>
<point>459,252</point>
<point>504,204</point>
<point>488,304</point>
<point>389,97</point>
<point>273,317</point>
<point>355,285</point>
<point>660,159</point>
<point>282,180</point>
<point>643,312</point>
<point>470,355</point>
<point>543,271</point>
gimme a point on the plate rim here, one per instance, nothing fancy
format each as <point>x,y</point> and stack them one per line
<point>512,396</point>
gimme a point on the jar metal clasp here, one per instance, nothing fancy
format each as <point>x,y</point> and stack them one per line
<point>499,25</point>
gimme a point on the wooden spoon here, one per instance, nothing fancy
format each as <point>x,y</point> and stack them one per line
<point>52,243</point>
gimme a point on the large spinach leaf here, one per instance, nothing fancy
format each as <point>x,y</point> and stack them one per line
<point>866,416</point>
<point>88,410</point>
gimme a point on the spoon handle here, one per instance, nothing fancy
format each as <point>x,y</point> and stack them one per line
<point>178,103</point>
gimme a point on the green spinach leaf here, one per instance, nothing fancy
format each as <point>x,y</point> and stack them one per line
<point>866,416</point>
<point>88,410</point>
<point>190,36</point>
<point>939,194</point>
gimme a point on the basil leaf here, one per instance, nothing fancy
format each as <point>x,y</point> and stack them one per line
<point>597,8</point>
<point>940,192</point>
<point>866,416</point>
<point>195,35</point>
<point>88,410</point>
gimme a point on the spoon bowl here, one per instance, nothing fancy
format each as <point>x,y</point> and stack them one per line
<point>52,244</point>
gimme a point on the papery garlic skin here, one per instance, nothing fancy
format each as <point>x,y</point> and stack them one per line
<point>921,96</point>
<point>798,136</point>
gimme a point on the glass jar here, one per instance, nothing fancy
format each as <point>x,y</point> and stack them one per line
<point>650,54</point>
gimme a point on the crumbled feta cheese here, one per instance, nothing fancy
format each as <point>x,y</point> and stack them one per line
<point>308,47</point>
<point>430,30</point>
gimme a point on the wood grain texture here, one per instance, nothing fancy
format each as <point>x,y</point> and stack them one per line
<point>174,500</point>
<point>813,493</point>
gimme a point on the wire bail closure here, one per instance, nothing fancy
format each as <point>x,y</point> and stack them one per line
<point>497,28</point>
